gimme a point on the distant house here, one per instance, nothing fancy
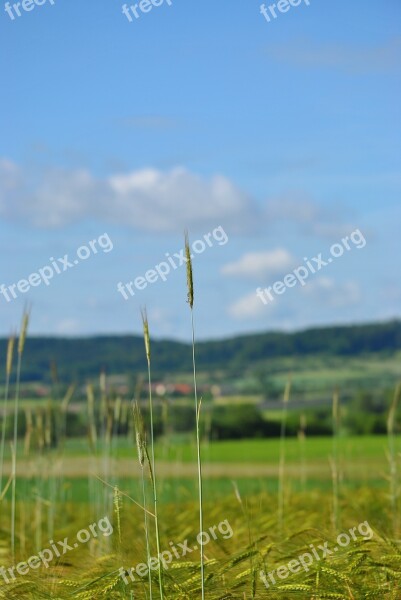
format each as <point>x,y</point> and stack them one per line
<point>181,389</point>
<point>173,389</point>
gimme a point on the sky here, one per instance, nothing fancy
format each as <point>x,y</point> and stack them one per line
<point>269,141</point>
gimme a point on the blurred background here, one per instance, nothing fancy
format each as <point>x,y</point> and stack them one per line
<point>286,134</point>
<point>282,135</point>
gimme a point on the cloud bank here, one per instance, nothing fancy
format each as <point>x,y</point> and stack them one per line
<point>151,200</point>
<point>147,199</point>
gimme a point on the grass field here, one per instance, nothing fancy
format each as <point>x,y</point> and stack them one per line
<point>234,451</point>
<point>240,489</point>
<point>281,518</point>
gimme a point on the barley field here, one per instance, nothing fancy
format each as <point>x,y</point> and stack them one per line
<point>131,516</point>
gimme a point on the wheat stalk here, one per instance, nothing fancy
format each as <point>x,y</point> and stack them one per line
<point>64,408</point>
<point>190,299</point>
<point>28,431</point>
<point>91,417</point>
<point>393,455</point>
<point>117,511</point>
<point>106,433</point>
<point>281,478</point>
<point>9,363</point>
<point>334,460</point>
<point>140,438</point>
<point>302,440</point>
<point>92,438</point>
<point>21,345</point>
<point>146,337</point>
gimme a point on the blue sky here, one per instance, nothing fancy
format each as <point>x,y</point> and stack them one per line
<point>199,115</point>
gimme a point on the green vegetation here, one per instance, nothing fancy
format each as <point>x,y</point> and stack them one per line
<point>72,464</point>
<point>79,359</point>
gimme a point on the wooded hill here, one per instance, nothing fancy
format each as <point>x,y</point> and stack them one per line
<point>79,358</point>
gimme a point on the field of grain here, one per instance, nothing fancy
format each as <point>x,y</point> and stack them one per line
<point>133,516</point>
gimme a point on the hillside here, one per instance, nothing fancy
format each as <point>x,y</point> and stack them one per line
<point>85,357</point>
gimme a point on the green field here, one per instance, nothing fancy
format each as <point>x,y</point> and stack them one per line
<point>259,541</point>
<point>268,502</point>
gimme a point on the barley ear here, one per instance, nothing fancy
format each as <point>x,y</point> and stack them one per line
<point>146,335</point>
<point>190,281</point>
<point>393,409</point>
<point>139,434</point>
<point>10,354</point>
<point>24,329</point>
<point>117,510</point>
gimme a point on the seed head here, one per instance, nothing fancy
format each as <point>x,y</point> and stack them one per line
<point>24,328</point>
<point>393,409</point>
<point>139,434</point>
<point>190,281</point>
<point>10,354</point>
<point>117,509</point>
<point>146,335</point>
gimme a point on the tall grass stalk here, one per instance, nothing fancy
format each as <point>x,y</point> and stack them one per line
<point>21,345</point>
<point>302,453</point>
<point>51,435</point>
<point>37,523</point>
<point>146,337</point>
<point>9,363</point>
<point>62,429</point>
<point>252,544</point>
<point>281,473</point>
<point>190,299</point>
<point>117,512</point>
<point>392,454</point>
<point>64,411</point>
<point>22,526</point>
<point>28,431</point>
<point>105,437</point>
<point>334,462</point>
<point>142,453</point>
<point>92,438</point>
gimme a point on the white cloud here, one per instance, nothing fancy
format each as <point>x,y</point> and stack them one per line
<point>151,200</point>
<point>295,310</point>
<point>258,265</point>
<point>159,201</point>
<point>148,199</point>
<point>248,307</point>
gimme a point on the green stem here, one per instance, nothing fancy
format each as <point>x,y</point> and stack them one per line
<point>14,460</point>
<point>3,431</point>
<point>282,469</point>
<point>199,458</point>
<point>146,533</point>
<point>153,477</point>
